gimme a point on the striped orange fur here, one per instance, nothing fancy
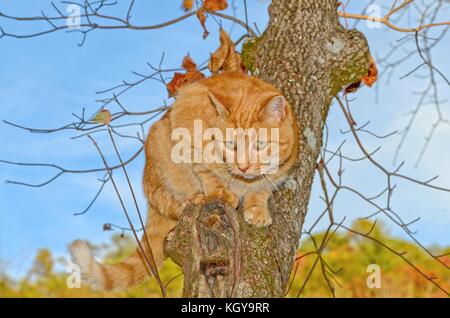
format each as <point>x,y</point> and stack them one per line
<point>227,100</point>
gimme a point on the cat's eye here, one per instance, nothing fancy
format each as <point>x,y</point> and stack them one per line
<point>230,144</point>
<point>260,145</point>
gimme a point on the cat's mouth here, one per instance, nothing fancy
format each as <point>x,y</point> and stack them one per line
<point>246,176</point>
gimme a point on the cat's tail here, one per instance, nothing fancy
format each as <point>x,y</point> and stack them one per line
<point>129,272</point>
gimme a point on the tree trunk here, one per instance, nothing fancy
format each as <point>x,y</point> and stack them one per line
<point>309,56</point>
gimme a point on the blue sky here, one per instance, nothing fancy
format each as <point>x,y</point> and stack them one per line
<point>44,80</point>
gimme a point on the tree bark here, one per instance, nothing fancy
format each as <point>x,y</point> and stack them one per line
<point>309,56</point>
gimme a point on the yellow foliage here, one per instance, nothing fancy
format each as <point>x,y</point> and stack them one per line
<point>346,254</point>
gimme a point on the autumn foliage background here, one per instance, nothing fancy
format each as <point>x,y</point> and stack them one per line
<point>346,254</point>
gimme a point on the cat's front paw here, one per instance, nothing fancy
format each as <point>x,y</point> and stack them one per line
<point>258,216</point>
<point>197,199</point>
<point>225,195</point>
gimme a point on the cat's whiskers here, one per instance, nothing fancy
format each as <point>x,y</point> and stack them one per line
<point>228,176</point>
<point>266,185</point>
<point>272,187</point>
<point>277,188</point>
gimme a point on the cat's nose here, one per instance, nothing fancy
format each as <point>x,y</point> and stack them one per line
<point>243,168</point>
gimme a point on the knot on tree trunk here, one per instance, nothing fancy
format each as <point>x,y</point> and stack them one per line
<point>223,256</point>
<point>203,244</point>
<point>349,56</point>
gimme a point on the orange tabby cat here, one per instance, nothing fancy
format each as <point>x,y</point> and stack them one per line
<point>227,100</point>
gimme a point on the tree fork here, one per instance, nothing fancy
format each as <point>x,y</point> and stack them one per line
<point>307,54</point>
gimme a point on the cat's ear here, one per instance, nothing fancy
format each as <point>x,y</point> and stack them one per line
<point>275,111</point>
<point>221,110</point>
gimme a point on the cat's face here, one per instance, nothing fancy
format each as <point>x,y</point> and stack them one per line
<point>256,142</point>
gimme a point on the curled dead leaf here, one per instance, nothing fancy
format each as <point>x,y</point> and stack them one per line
<point>353,87</point>
<point>189,64</point>
<point>188,4</point>
<point>201,15</point>
<point>369,79</point>
<point>180,79</point>
<point>215,5</point>
<point>372,75</point>
<point>102,117</point>
<point>209,5</point>
<point>225,58</point>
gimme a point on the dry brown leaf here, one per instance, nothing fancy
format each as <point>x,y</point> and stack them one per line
<point>201,15</point>
<point>102,117</point>
<point>353,87</point>
<point>372,76</point>
<point>215,5</point>
<point>368,80</point>
<point>225,58</point>
<point>209,5</point>
<point>177,81</point>
<point>189,64</point>
<point>180,79</point>
<point>188,4</point>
